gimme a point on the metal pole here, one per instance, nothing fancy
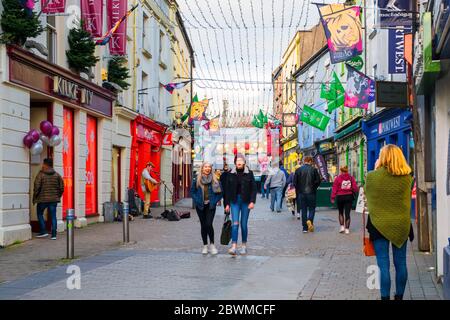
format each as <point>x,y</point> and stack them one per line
<point>70,217</point>
<point>126,226</point>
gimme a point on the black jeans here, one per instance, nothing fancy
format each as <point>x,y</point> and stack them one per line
<point>344,204</point>
<point>307,203</point>
<point>206,216</point>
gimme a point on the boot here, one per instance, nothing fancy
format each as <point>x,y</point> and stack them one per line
<point>398,297</point>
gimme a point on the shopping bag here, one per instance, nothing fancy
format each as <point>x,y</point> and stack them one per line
<point>225,237</point>
<point>360,203</point>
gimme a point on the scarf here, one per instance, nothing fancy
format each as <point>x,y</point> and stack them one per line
<point>389,203</point>
<point>205,180</point>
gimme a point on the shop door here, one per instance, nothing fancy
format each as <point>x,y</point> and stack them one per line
<point>116,174</point>
<point>146,154</point>
<point>68,160</point>
<point>39,112</point>
<point>91,166</point>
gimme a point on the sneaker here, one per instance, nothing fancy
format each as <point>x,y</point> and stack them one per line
<point>213,249</point>
<point>298,216</point>
<point>53,238</point>
<point>43,235</point>
<point>305,231</point>
<point>243,250</point>
<point>232,251</point>
<point>347,231</point>
<point>205,250</point>
<point>310,226</point>
<point>341,229</point>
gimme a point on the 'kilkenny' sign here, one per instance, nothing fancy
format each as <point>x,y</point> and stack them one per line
<point>71,90</point>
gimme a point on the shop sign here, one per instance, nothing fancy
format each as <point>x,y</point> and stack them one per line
<point>167,140</point>
<point>397,63</point>
<point>325,146</point>
<point>289,120</point>
<point>71,90</point>
<point>391,94</point>
<point>290,144</point>
<point>356,62</point>
<point>389,125</point>
<point>148,135</point>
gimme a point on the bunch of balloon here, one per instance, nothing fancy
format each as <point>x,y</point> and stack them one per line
<point>50,133</point>
<point>33,142</point>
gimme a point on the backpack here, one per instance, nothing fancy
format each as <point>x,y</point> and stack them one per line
<point>346,185</point>
<point>170,215</point>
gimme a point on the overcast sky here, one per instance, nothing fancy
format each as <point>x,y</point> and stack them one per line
<point>242,40</point>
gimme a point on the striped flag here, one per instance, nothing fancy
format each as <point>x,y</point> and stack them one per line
<point>105,39</point>
<point>172,86</point>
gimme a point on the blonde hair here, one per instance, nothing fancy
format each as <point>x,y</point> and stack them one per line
<point>199,174</point>
<point>392,158</point>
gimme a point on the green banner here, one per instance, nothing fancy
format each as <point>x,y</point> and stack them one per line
<point>314,118</point>
<point>335,95</point>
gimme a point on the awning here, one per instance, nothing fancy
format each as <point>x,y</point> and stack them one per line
<point>347,131</point>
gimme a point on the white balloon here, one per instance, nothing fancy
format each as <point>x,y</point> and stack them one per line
<point>55,140</point>
<point>36,148</point>
<point>44,138</point>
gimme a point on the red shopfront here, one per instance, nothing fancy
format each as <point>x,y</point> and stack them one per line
<point>48,84</point>
<point>146,146</point>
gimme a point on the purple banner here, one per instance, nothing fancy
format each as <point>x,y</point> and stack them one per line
<point>92,16</point>
<point>322,166</point>
<point>397,50</point>
<point>394,13</point>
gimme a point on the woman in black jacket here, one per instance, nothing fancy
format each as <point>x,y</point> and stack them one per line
<point>239,197</point>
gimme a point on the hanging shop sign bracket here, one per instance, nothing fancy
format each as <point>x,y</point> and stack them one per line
<point>390,94</point>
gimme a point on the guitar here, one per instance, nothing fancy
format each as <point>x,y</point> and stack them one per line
<point>150,185</point>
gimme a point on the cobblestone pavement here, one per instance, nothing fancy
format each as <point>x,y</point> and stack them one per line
<point>163,261</point>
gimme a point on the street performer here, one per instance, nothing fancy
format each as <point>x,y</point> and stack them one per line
<point>148,184</point>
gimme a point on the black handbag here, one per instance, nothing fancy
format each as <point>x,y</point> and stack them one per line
<point>225,237</point>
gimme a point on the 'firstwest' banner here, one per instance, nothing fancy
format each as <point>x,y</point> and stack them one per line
<point>92,16</point>
<point>116,10</point>
<point>53,6</point>
<point>397,50</point>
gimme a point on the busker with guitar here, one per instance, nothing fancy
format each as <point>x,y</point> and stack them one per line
<point>148,184</point>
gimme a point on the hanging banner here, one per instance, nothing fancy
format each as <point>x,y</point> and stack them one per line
<point>116,10</point>
<point>91,166</point>
<point>394,13</point>
<point>68,160</point>
<point>322,166</point>
<point>397,50</point>
<point>334,94</point>
<point>53,6</point>
<point>314,118</point>
<point>92,16</point>
<point>342,27</point>
<point>198,110</point>
<point>360,90</point>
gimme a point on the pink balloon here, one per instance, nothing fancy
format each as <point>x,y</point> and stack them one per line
<point>28,141</point>
<point>46,128</point>
<point>34,135</point>
<point>55,131</point>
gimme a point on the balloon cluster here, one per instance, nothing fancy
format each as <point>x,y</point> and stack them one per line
<point>35,140</point>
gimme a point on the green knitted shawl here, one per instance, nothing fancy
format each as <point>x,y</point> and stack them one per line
<point>389,204</point>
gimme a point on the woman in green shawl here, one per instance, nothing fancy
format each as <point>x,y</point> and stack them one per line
<point>388,193</point>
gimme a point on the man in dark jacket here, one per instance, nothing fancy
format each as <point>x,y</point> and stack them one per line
<point>48,190</point>
<point>306,181</point>
<point>239,198</point>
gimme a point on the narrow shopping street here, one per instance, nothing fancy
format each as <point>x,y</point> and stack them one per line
<point>163,261</point>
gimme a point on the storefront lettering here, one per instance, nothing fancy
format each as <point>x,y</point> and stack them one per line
<point>389,125</point>
<point>70,90</point>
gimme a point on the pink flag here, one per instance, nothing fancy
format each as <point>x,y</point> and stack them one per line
<point>53,6</point>
<point>92,16</point>
<point>116,10</point>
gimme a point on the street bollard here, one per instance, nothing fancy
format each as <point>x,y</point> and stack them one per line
<point>126,226</point>
<point>70,218</point>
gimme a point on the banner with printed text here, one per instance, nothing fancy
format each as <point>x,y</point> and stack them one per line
<point>53,6</point>
<point>394,13</point>
<point>92,16</point>
<point>342,27</point>
<point>360,90</point>
<point>116,10</point>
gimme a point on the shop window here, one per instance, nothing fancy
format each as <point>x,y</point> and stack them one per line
<point>68,160</point>
<point>51,39</point>
<point>91,166</point>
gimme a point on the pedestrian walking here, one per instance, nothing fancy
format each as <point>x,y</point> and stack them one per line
<point>240,198</point>
<point>206,192</point>
<point>388,194</point>
<point>286,174</point>
<point>343,192</point>
<point>306,181</point>
<point>148,184</point>
<point>48,190</point>
<point>275,184</point>
<point>264,191</point>
<point>290,195</point>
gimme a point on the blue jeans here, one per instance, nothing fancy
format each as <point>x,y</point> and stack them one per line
<point>401,273</point>
<point>307,202</point>
<point>264,192</point>
<point>239,208</point>
<point>276,195</point>
<point>51,206</point>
